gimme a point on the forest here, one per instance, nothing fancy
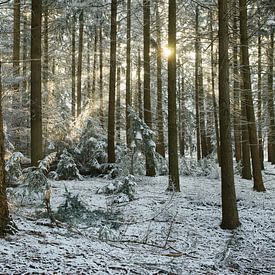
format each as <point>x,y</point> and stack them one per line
<point>137,137</point>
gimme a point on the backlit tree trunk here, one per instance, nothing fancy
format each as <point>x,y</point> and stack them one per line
<point>160,148</point>
<point>150,166</point>
<point>271,99</point>
<point>112,85</point>
<point>174,183</point>
<point>73,68</point>
<point>230,219</point>
<point>79,64</point>
<point>36,108</point>
<point>128,72</point>
<point>245,70</point>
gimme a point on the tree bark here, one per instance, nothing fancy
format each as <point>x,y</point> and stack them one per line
<point>73,68</point>
<point>160,147</point>
<point>101,113</point>
<point>150,166</point>
<point>118,107</point>
<point>197,62</point>
<point>230,218</point>
<point>79,64</point>
<point>174,183</point>
<point>128,73</point>
<point>245,72</point>
<point>236,86</point>
<point>36,108</point>
<point>4,211</point>
<point>16,99</point>
<point>271,99</point>
<point>112,85</point>
<point>140,109</point>
<point>94,66</point>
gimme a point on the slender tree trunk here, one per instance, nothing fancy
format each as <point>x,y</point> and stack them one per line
<point>150,166</point>
<point>140,109</point>
<point>260,134</point>
<point>182,116</point>
<point>73,68</point>
<point>213,77</point>
<point>101,77</point>
<point>197,62</point>
<point>94,66</point>
<point>246,164</point>
<point>271,99</point>
<point>112,85</point>
<point>79,63</point>
<point>16,72</point>
<point>230,219</point>
<point>236,86</point>
<point>36,108</point>
<point>45,97</point>
<point>118,107</point>
<point>174,182</point>
<point>245,69</point>
<point>128,72</point>
<point>4,211</point>
<point>88,93</point>
<point>160,148</point>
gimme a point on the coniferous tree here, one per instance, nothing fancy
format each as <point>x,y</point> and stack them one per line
<point>79,63</point>
<point>160,147</point>
<point>128,72</point>
<point>245,73</point>
<point>271,135</point>
<point>150,166</point>
<point>174,183</point>
<point>4,211</point>
<point>230,219</point>
<point>112,85</point>
<point>36,103</point>
<point>73,67</point>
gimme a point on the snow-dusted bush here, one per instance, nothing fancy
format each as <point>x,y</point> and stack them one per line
<point>206,167</point>
<point>13,167</point>
<point>124,190</point>
<point>45,164</point>
<point>66,168</point>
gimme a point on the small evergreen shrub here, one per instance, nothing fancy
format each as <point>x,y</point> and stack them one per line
<point>66,168</point>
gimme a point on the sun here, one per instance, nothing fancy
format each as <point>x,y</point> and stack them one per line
<point>167,52</point>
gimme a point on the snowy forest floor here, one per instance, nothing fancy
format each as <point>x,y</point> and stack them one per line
<point>157,233</point>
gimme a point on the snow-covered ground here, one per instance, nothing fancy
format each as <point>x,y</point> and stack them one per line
<point>160,232</point>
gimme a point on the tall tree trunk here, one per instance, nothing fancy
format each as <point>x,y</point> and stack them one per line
<point>271,99</point>
<point>260,134</point>
<point>174,182</point>
<point>182,116</point>
<point>197,63</point>
<point>230,218</point>
<point>16,71</point>
<point>213,77</point>
<point>88,93</point>
<point>73,67</point>
<point>94,66</point>
<point>112,85</point>
<point>36,108</point>
<point>79,63</point>
<point>246,164</point>
<point>101,76</point>
<point>140,109</point>
<point>160,148</point>
<point>118,107</point>
<point>245,70</point>
<point>45,97</point>
<point>150,165</point>
<point>128,72</point>
<point>236,86</point>
<point>4,211</point>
